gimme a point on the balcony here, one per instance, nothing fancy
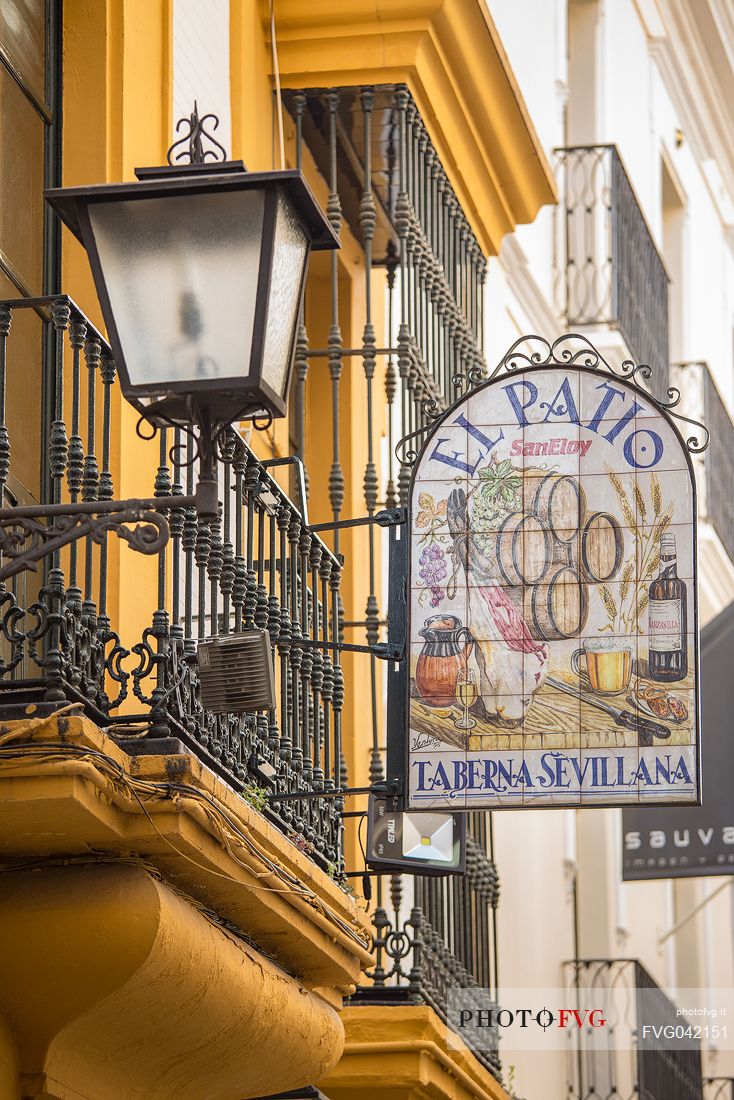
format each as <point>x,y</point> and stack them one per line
<point>621,1064</point>
<point>442,938</point>
<point>258,565</point>
<point>423,320</point>
<point>714,470</point>
<point>420,344</point>
<point>119,640</point>
<point>139,811</point>
<point>610,273</point>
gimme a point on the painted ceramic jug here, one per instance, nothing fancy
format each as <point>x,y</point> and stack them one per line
<point>443,657</point>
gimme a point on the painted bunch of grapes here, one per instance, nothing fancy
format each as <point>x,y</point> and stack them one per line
<point>432,563</point>
<point>432,572</point>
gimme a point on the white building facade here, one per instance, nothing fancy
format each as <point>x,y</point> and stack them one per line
<point>634,102</point>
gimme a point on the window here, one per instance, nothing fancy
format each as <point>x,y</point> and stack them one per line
<point>29,255</point>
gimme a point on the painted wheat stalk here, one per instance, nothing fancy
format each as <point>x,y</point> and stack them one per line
<point>627,576</point>
<point>624,504</point>
<point>646,526</point>
<point>609,602</point>
<point>657,495</point>
<point>640,502</point>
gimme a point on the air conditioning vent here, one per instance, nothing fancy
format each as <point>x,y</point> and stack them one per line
<point>236,673</point>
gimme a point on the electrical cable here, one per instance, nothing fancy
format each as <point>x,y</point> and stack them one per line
<point>359,837</point>
<point>366,881</point>
<point>216,815</point>
<point>126,732</point>
<point>276,75</point>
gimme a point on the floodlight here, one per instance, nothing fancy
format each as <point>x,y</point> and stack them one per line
<point>422,841</point>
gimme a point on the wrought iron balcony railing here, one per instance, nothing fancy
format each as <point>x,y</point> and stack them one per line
<point>257,565</point>
<point>610,271</point>
<point>442,938</point>
<point>715,467</point>
<point>387,186</point>
<point>387,183</point>
<point>620,1063</point>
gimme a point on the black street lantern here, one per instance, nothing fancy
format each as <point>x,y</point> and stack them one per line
<point>200,271</point>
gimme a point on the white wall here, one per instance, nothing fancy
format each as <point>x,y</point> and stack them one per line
<point>634,99</point>
<point>201,64</point>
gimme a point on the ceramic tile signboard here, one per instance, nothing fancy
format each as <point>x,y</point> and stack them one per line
<point>553,607</point>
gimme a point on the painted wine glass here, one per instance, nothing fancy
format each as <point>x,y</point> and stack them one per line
<point>466,693</point>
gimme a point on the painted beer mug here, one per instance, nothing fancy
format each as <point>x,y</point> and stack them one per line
<point>608,665</point>
<point>443,658</point>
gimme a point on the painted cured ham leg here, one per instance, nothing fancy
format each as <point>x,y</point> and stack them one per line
<point>512,665</point>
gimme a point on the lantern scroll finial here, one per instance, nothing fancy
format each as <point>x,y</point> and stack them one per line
<point>193,151</point>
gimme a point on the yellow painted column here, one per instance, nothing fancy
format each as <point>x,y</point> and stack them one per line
<point>9,1063</point>
<point>116,109</point>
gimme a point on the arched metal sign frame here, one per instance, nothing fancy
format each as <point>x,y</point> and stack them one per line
<point>462,748</point>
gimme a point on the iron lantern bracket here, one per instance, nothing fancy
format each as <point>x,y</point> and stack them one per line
<point>384,651</point>
<point>386,517</point>
<point>387,789</point>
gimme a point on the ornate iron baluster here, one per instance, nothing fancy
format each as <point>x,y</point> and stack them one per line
<point>317,666</point>
<point>334,342</point>
<point>252,484</point>
<point>90,476</point>
<point>391,381</point>
<point>227,575</point>
<point>327,675</point>
<point>340,778</point>
<point>11,613</point>
<point>6,320</point>
<point>301,355</point>
<point>75,465</point>
<point>367,220</point>
<point>402,224</point>
<point>284,640</point>
<point>53,591</point>
<point>296,650</point>
<point>239,580</point>
<point>304,547</point>
<point>214,569</point>
<point>274,620</point>
<point>154,649</point>
<point>188,545</point>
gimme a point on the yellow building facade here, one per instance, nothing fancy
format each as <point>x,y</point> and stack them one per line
<point>167,930</point>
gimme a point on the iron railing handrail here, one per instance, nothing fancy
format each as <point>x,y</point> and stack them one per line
<point>385,180</point>
<point>605,1066</point>
<point>614,149</point>
<point>43,301</point>
<point>718,460</point>
<point>612,270</point>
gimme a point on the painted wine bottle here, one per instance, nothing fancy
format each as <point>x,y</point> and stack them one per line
<point>667,618</point>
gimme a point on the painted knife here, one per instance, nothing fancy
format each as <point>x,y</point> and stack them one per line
<point>646,728</point>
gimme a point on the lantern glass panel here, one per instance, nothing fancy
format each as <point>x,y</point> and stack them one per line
<point>290,252</point>
<point>181,274</point>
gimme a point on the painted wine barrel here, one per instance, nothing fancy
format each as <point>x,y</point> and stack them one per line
<point>602,546</point>
<point>557,608</point>
<point>524,549</point>
<point>558,500</point>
